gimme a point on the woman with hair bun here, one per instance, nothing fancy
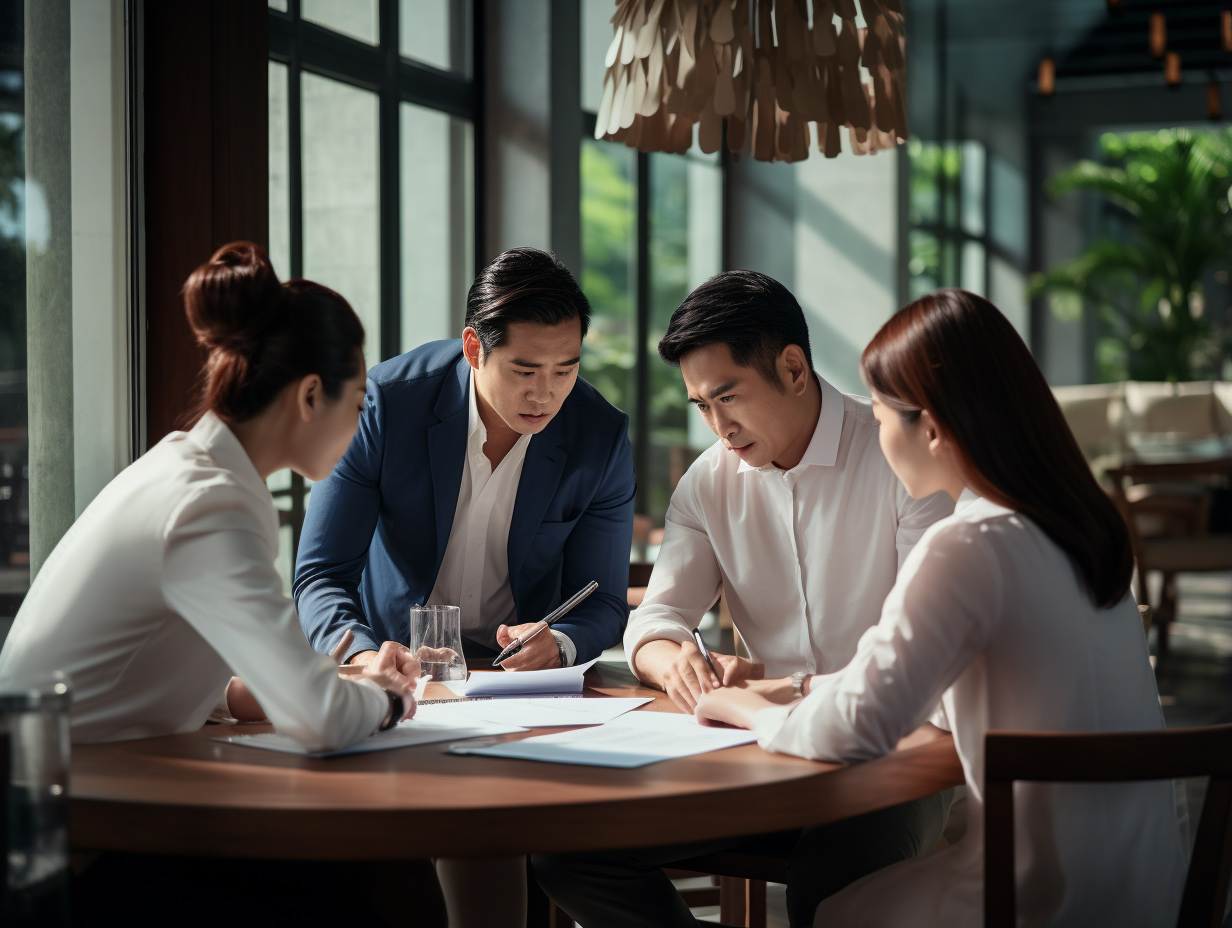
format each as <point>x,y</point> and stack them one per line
<point>1013,613</point>
<point>166,584</point>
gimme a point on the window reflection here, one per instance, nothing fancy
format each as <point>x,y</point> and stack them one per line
<point>436,33</point>
<point>438,254</point>
<point>341,197</point>
<point>356,18</point>
<point>609,268</point>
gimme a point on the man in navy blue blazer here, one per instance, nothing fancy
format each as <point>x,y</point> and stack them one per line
<point>485,474</point>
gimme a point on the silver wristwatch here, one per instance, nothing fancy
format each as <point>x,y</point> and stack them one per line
<point>797,683</point>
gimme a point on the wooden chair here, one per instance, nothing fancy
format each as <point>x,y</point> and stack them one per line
<point>1108,758</point>
<point>1186,546</point>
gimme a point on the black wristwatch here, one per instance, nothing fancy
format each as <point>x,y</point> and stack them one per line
<point>395,711</point>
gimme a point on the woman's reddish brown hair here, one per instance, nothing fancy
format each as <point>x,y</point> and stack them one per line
<point>955,355</point>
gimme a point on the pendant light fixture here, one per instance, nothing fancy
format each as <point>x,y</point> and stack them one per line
<point>1157,39</point>
<point>717,64</point>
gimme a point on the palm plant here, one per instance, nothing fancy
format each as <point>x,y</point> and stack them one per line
<point>1172,189</point>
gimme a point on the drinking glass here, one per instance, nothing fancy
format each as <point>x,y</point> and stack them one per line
<point>34,758</point>
<point>436,640</point>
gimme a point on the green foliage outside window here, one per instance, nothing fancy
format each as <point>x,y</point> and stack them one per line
<point>1169,194</point>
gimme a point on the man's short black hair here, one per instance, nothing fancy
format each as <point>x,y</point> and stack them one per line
<point>753,315</point>
<point>523,285</point>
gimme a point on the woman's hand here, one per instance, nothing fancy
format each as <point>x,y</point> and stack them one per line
<point>395,669</point>
<point>732,705</point>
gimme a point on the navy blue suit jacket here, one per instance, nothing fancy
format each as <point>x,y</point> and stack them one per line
<point>377,527</point>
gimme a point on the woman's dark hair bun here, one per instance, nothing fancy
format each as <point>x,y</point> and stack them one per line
<point>262,335</point>
<point>233,299</point>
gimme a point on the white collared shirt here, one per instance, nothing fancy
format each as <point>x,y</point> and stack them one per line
<point>990,617</point>
<point>805,557</point>
<point>164,588</point>
<point>474,573</point>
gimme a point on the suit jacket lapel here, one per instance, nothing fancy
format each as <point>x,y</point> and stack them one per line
<point>541,470</point>
<point>447,452</point>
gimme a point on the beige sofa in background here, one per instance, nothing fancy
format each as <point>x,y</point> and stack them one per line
<point>1105,417</point>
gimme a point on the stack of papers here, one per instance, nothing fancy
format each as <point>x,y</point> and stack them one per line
<point>542,712</point>
<point>522,682</point>
<point>633,740</point>
<point>403,735</point>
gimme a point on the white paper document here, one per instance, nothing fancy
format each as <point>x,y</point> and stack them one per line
<point>522,682</point>
<point>532,712</point>
<point>403,735</point>
<point>633,740</point>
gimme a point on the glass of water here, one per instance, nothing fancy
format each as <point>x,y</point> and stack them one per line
<point>436,640</point>
<point>34,759</point>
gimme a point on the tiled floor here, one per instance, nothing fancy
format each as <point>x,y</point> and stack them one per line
<point>1195,685</point>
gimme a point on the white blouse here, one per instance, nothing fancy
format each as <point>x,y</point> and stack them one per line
<point>165,588</point>
<point>990,618</point>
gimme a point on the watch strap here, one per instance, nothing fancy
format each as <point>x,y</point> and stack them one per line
<point>396,708</point>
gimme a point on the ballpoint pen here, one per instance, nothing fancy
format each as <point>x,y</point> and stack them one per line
<point>701,646</point>
<point>516,645</point>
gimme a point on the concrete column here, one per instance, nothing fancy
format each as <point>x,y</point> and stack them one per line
<point>49,276</point>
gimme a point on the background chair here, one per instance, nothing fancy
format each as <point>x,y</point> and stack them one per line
<point>1167,525</point>
<point>1107,758</point>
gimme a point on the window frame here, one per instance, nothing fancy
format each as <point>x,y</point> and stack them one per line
<point>304,46</point>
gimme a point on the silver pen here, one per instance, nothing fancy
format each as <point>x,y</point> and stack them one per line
<point>516,645</point>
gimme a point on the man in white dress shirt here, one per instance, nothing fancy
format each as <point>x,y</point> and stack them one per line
<point>796,518</point>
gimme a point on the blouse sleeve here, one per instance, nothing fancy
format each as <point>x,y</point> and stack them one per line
<point>935,621</point>
<point>219,576</point>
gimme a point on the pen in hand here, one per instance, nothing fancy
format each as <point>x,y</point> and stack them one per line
<point>516,645</point>
<point>701,646</point>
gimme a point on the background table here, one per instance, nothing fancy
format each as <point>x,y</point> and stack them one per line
<point>189,795</point>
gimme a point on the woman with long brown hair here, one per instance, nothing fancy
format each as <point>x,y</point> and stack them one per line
<point>1014,613</point>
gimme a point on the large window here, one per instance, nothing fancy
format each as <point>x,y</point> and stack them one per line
<point>372,178</point>
<point>651,232</point>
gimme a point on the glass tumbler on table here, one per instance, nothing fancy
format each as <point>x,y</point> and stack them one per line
<point>436,641</point>
<point>34,760</point>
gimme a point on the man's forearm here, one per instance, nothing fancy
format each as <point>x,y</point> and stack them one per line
<point>654,658</point>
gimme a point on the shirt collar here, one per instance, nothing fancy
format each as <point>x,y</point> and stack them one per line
<point>966,499</point>
<point>475,428</point>
<point>215,437</point>
<point>822,449</point>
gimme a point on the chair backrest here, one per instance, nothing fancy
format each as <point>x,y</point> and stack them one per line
<point>1107,758</point>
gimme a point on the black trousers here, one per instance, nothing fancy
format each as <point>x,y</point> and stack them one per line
<point>627,889</point>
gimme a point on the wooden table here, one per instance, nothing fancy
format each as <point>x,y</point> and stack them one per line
<point>189,795</point>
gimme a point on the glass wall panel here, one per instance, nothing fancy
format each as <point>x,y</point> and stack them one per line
<point>597,33</point>
<point>436,32</point>
<point>973,272</point>
<point>279,5</point>
<point>279,172</point>
<point>972,184</point>
<point>356,18</point>
<point>438,210</point>
<point>16,218</point>
<point>609,269</point>
<point>685,251</point>
<point>341,197</point>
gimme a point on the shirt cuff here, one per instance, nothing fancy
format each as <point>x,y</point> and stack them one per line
<point>221,713</point>
<point>940,719</point>
<point>570,648</point>
<point>767,723</point>
<point>363,641</point>
<point>656,631</point>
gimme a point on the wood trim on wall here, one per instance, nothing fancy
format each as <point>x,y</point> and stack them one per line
<point>206,171</point>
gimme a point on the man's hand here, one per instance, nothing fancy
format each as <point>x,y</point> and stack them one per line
<point>539,654</point>
<point>684,675</point>
<point>393,668</point>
